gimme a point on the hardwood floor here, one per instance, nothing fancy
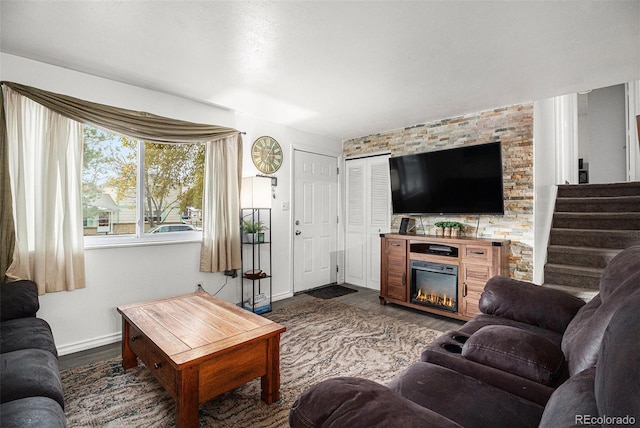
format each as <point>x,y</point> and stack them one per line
<point>366,299</point>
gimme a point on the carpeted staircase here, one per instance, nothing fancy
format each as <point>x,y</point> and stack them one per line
<point>591,224</point>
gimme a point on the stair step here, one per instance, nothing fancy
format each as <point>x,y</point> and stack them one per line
<point>580,256</point>
<point>597,220</point>
<point>609,189</point>
<point>599,204</point>
<point>585,294</point>
<point>591,224</point>
<point>617,239</point>
<point>590,272</point>
<point>587,277</point>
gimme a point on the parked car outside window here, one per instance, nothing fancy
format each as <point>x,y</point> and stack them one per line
<point>172,228</point>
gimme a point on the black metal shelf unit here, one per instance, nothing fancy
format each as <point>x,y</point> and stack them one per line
<point>256,261</point>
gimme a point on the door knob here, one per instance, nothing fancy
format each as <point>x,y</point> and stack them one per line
<point>298,232</point>
<point>297,222</point>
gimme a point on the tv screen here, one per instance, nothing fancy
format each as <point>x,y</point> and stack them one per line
<point>465,180</point>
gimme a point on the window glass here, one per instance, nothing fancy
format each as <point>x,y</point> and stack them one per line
<point>108,206</point>
<point>173,180</point>
<point>171,192</point>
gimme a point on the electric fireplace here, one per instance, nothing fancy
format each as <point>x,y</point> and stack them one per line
<point>434,285</point>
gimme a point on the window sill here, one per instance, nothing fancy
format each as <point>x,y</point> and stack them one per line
<point>105,242</point>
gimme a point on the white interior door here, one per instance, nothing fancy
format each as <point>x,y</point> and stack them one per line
<point>355,234</point>
<point>368,196</point>
<point>315,220</point>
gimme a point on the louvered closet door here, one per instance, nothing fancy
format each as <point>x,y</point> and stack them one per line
<point>368,200</point>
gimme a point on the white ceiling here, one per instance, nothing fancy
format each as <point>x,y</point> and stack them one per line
<point>339,69</point>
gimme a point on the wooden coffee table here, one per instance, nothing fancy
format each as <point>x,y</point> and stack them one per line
<point>199,346</point>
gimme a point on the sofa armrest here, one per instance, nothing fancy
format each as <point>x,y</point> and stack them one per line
<point>359,403</point>
<point>529,303</point>
<point>18,299</point>
<point>516,351</point>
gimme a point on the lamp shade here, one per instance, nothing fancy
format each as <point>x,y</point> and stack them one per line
<point>256,192</point>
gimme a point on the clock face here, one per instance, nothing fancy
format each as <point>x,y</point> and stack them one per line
<point>266,154</point>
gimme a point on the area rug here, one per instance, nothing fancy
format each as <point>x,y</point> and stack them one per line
<point>330,291</point>
<point>324,339</point>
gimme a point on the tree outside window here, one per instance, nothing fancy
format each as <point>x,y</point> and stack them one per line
<point>171,191</point>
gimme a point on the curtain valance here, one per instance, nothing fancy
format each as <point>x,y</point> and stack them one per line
<point>140,125</point>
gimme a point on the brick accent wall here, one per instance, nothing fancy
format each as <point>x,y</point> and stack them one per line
<point>513,126</point>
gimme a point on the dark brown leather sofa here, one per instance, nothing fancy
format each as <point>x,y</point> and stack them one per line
<point>534,357</point>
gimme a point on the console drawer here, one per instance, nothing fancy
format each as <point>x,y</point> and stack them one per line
<point>477,254</point>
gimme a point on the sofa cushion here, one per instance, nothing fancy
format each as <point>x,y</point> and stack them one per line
<point>32,412</point>
<point>25,333</point>
<point>30,373</point>
<point>545,307</point>
<point>463,399</point>
<point>483,320</point>
<point>583,337</point>
<point>617,381</point>
<point>622,266</point>
<point>18,299</point>
<point>572,402</point>
<point>446,351</point>
<point>359,403</point>
<point>515,351</point>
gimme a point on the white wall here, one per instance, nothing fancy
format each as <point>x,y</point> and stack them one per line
<point>282,219</point>
<point>544,181</point>
<point>86,318</point>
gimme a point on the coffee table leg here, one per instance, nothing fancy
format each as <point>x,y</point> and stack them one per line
<point>187,401</point>
<point>129,359</point>
<point>271,380</point>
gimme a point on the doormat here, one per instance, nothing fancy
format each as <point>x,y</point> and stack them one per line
<point>330,291</point>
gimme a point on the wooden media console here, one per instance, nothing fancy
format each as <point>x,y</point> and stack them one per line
<point>472,261</point>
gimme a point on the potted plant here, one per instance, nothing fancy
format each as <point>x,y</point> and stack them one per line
<point>440,227</point>
<point>448,228</point>
<point>456,228</point>
<point>254,230</point>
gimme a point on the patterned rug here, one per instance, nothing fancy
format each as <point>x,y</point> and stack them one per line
<point>324,339</point>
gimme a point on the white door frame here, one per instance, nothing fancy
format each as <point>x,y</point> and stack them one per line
<point>632,107</point>
<point>339,203</point>
<point>566,135</point>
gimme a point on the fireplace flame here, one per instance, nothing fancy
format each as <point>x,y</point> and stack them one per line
<point>434,299</point>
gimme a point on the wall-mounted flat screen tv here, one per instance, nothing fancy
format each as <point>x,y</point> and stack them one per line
<point>465,180</point>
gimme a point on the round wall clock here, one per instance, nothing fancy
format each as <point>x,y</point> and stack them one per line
<point>266,154</point>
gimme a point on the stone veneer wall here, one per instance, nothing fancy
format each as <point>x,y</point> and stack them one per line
<point>513,126</point>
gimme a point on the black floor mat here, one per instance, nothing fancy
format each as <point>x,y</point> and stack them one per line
<point>330,291</point>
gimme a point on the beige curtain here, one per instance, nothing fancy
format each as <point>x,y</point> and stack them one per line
<point>45,166</point>
<point>221,206</point>
<point>145,126</point>
<point>7,234</point>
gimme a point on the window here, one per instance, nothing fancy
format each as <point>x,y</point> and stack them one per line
<point>140,188</point>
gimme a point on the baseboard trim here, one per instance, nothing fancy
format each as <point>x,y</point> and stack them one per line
<point>89,344</point>
<point>281,296</point>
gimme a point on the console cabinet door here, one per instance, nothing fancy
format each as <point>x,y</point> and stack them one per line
<point>477,268</point>
<point>394,270</point>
